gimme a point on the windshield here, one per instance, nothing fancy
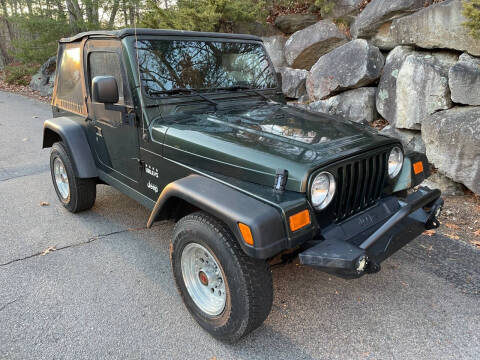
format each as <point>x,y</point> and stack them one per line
<point>166,65</point>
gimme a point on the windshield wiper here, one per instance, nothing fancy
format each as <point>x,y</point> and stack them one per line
<point>244,87</point>
<point>183,91</point>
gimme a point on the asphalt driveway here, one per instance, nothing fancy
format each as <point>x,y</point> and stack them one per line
<point>107,290</point>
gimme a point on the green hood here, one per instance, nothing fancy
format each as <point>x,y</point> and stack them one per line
<point>250,144</point>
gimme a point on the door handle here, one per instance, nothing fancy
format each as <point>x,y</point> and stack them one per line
<point>98,131</point>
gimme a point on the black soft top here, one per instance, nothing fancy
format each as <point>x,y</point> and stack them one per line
<point>119,34</point>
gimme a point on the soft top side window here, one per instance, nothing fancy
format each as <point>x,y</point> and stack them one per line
<point>103,63</point>
<point>69,92</point>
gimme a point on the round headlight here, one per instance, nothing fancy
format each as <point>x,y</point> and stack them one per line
<point>395,162</point>
<point>323,189</point>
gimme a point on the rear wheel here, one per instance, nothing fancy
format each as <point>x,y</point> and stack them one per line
<point>75,194</point>
<point>228,293</point>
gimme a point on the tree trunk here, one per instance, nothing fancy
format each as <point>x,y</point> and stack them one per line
<point>4,8</point>
<point>89,11</point>
<point>29,7</point>
<point>116,5</point>
<point>75,14</point>
<point>131,10</point>
<point>3,42</point>
<point>60,9</point>
<point>96,18</point>
<point>124,10</point>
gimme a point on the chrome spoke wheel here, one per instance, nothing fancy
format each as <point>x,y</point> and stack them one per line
<point>203,278</point>
<point>61,178</point>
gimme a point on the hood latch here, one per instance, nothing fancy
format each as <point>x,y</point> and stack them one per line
<point>281,177</point>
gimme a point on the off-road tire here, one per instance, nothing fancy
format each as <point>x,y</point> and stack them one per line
<point>248,281</point>
<point>82,191</point>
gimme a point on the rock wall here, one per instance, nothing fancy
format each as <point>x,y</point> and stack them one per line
<point>409,62</point>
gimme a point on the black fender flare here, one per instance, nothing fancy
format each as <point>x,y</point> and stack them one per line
<point>230,206</point>
<point>74,137</point>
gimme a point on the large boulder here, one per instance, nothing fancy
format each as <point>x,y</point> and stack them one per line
<point>356,105</point>
<point>452,140</point>
<point>411,139</point>
<point>353,65</point>
<point>44,80</point>
<point>274,45</point>
<point>414,85</point>
<point>290,23</point>
<point>383,38</point>
<point>306,46</point>
<point>387,87</point>
<point>464,80</point>
<point>444,184</point>
<point>422,89</point>
<point>344,9</point>
<point>293,82</point>
<point>378,12</point>
<point>437,26</point>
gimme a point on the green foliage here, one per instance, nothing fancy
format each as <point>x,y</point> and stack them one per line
<point>325,7</point>
<point>471,10</point>
<point>204,15</point>
<point>34,46</point>
<point>20,74</point>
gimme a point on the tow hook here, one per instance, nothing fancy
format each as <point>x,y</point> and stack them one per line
<point>373,267</point>
<point>435,210</point>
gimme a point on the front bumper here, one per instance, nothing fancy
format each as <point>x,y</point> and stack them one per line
<point>359,244</point>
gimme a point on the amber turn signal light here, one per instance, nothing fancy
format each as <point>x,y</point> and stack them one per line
<point>299,220</point>
<point>418,167</point>
<point>246,233</point>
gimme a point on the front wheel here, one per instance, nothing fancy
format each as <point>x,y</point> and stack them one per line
<point>228,293</point>
<point>74,193</point>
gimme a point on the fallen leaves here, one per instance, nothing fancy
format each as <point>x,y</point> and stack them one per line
<point>429,232</point>
<point>476,243</point>
<point>44,203</point>
<point>23,90</point>
<point>477,233</point>
<point>453,236</point>
<point>48,250</point>
<point>452,226</point>
<point>430,248</point>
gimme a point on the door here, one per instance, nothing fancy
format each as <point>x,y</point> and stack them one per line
<point>114,128</point>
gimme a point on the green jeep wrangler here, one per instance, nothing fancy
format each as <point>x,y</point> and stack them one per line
<point>194,126</point>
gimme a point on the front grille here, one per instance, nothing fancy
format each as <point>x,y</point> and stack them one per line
<point>359,183</point>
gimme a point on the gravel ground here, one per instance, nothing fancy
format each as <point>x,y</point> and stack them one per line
<point>107,290</point>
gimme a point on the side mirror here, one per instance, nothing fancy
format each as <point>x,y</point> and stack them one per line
<point>104,89</point>
<point>279,80</point>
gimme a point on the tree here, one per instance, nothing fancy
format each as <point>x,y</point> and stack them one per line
<point>4,7</point>
<point>75,13</point>
<point>204,15</point>
<point>113,13</point>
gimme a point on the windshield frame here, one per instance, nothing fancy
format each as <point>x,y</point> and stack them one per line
<point>160,100</point>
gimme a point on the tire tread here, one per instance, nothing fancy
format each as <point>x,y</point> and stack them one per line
<point>83,192</point>
<point>256,273</point>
